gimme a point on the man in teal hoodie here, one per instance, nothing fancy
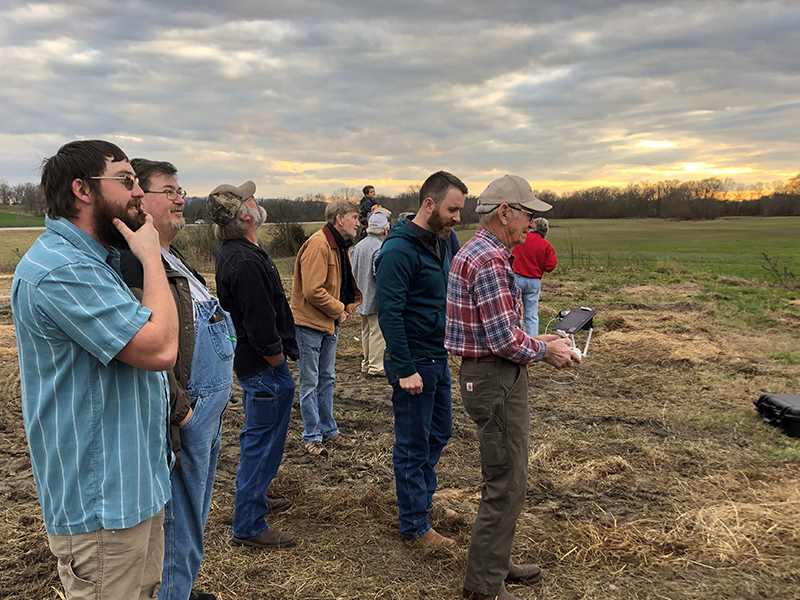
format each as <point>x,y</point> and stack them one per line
<point>411,273</point>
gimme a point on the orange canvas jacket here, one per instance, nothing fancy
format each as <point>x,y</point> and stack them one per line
<point>317,284</point>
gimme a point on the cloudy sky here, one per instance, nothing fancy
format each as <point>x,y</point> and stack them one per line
<point>306,97</point>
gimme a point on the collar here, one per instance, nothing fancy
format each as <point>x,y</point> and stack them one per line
<point>494,241</point>
<point>426,236</point>
<point>79,238</point>
<point>246,244</point>
<point>342,243</point>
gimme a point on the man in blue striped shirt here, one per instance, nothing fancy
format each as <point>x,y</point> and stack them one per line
<point>94,395</point>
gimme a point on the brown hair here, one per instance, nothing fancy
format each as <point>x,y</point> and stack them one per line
<point>437,185</point>
<point>81,159</point>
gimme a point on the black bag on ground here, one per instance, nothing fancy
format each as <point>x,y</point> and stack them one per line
<point>781,410</point>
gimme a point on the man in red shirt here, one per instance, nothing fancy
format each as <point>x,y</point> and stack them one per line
<point>484,326</point>
<point>532,259</point>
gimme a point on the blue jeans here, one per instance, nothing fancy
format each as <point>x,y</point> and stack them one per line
<point>422,425</point>
<point>209,389</point>
<point>530,288</point>
<point>317,376</point>
<point>267,399</point>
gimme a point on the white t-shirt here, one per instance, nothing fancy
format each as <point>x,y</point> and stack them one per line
<point>199,292</point>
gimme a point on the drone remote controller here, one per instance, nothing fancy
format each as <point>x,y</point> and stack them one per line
<point>573,347</point>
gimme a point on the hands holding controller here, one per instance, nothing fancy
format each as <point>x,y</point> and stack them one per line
<point>561,352</point>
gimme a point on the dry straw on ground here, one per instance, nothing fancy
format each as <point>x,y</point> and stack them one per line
<point>650,477</point>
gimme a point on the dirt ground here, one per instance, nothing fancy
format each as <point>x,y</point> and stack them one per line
<point>650,474</point>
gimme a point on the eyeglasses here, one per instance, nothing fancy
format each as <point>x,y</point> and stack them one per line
<point>169,193</point>
<point>530,213</point>
<point>128,180</point>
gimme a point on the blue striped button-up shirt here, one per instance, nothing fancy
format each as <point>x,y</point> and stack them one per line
<point>96,426</point>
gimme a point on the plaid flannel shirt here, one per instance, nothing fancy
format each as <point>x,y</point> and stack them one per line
<point>484,304</point>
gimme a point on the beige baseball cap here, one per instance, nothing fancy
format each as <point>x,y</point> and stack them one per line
<point>512,190</point>
<point>224,201</point>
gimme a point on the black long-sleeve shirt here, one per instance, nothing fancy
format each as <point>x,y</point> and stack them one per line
<point>249,287</point>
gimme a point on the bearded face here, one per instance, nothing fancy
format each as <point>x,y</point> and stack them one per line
<point>258,215</point>
<point>440,225</point>
<point>105,212</point>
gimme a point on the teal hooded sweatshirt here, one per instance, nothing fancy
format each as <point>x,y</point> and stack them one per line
<point>412,298</point>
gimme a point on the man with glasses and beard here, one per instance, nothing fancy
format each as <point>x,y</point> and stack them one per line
<point>411,273</point>
<point>91,357</point>
<point>199,383</point>
<point>250,289</point>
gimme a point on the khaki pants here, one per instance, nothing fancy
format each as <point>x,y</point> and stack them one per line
<point>373,345</point>
<point>124,564</point>
<point>495,395</point>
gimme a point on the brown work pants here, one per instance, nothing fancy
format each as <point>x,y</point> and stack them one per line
<point>112,565</point>
<point>495,395</point>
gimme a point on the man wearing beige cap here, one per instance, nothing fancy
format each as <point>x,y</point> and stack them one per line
<point>363,257</point>
<point>250,289</point>
<point>484,326</point>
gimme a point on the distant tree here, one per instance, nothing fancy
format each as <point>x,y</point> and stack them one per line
<point>346,193</point>
<point>288,235</point>
<point>6,193</point>
<point>31,197</point>
<point>194,209</point>
<point>792,187</point>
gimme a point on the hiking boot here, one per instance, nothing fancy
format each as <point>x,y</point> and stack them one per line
<point>201,596</point>
<point>316,449</point>
<point>278,505</point>
<point>432,540</point>
<point>268,539</point>
<point>378,374</point>
<point>340,441</point>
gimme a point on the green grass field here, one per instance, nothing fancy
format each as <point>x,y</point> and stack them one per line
<point>732,247</point>
<point>12,219</point>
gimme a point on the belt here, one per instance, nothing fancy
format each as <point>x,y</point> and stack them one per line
<point>483,359</point>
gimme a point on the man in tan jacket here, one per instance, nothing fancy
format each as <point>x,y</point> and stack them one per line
<point>324,295</point>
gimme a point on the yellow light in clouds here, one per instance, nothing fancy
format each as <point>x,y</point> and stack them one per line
<point>654,144</point>
<point>291,167</point>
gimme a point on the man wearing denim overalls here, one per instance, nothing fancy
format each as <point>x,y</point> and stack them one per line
<point>200,383</point>
<point>249,287</point>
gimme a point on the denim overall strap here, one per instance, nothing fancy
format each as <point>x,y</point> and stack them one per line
<point>209,389</point>
<point>213,330</point>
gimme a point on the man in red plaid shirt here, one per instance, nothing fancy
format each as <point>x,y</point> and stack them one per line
<point>484,326</point>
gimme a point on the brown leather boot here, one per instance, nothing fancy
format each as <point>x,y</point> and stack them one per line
<point>268,539</point>
<point>524,574</point>
<point>432,539</point>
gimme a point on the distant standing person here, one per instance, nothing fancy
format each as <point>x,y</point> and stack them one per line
<point>365,208</point>
<point>363,257</point>
<point>324,296</point>
<point>250,288</point>
<point>531,260</point>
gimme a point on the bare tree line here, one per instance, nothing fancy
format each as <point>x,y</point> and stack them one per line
<point>704,199</point>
